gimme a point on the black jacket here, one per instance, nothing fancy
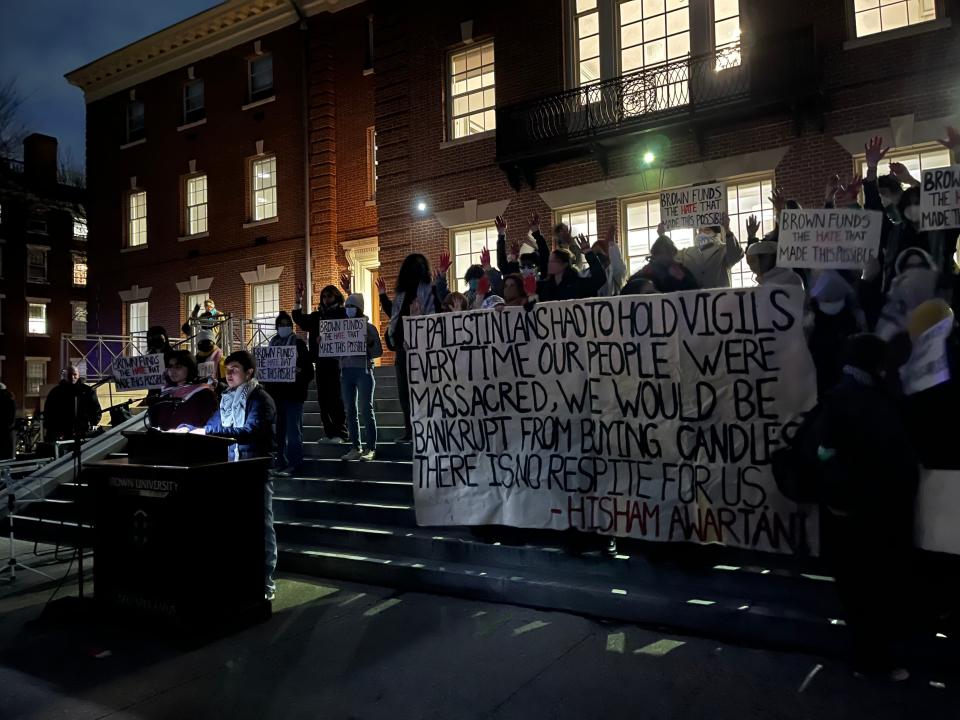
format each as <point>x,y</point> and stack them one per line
<point>297,390</point>
<point>669,278</point>
<point>311,323</point>
<point>70,407</point>
<point>256,436</point>
<point>572,286</point>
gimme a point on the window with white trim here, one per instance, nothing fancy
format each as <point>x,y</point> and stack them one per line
<point>744,198</point>
<point>135,121</point>
<point>471,91</point>
<point>580,220</point>
<point>79,320</point>
<point>916,158</point>
<point>586,23</point>
<point>371,163</point>
<point>138,322</point>
<point>79,270</point>
<point>260,77</point>
<point>36,264</point>
<point>465,246</point>
<point>193,102</point>
<point>264,176</point>
<point>726,33</point>
<point>80,228</point>
<point>193,299</point>
<point>196,193</point>
<point>36,318</point>
<point>871,17</point>
<point>265,300</point>
<point>137,218</point>
<point>36,376</point>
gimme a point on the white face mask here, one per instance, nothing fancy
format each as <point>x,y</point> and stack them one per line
<point>284,331</point>
<point>912,213</point>
<point>351,311</point>
<point>832,308</point>
<point>704,239</point>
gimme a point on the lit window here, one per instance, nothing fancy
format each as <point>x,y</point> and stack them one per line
<point>587,49</point>
<point>138,320</point>
<point>264,172</point>
<point>79,269</point>
<point>193,300</point>
<point>653,32</point>
<point>193,106</point>
<point>371,163</point>
<point>743,200</point>
<point>197,204</point>
<point>916,160</point>
<point>580,220</point>
<point>266,303</point>
<point>135,120</point>
<point>37,318</point>
<point>260,77</point>
<point>80,228</point>
<point>79,325</point>
<point>36,376</point>
<point>726,33</point>
<point>472,94</point>
<point>876,16</point>
<point>137,219</point>
<point>36,264</point>
<point>466,244</point>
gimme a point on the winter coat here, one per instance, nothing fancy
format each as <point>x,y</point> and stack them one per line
<point>571,286</point>
<point>256,437</point>
<point>711,265</point>
<point>297,390</point>
<point>182,405</point>
<point>63,401</point>
<point>311,323</point>
<point>665,278</point>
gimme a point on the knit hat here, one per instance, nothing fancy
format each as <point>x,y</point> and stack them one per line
<point>764,247</point>
<point>491,302</point>
<point>205,335</point>
<point>355,300</point>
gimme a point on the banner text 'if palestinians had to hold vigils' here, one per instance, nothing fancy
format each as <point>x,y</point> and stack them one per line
<point>650,416</point>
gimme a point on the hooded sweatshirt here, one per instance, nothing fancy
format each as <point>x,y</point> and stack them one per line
<point>311,322</point>
<point>911,287</point>
<point>374,347</point>
<point>710,265</point>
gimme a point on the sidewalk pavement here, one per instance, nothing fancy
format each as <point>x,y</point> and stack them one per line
<point>337,650</point>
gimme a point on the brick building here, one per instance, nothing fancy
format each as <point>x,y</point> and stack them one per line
<point>43,269</point>
<point>406,130</point>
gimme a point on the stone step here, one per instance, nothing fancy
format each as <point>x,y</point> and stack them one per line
<point>398,492</point>
<point>385,450</point>
<point>292,508</point>
<point>737,617</point>
<point>385,433</point>
<point>384,419</point>
<point>379,405</point>
<point>373,470</point>
<point>387,392</point>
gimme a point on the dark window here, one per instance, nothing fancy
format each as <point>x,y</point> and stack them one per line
<point>193,106</point>
<point>135,121</point>
<point>260,77</point>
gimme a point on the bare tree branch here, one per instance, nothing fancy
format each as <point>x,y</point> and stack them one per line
<point>12,131</point>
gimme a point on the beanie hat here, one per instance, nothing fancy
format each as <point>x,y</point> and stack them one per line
<point>764,247</point>
<point>205,335</point>
<point>283,315</point>
<point>492,301</point>
<point>355,300</point>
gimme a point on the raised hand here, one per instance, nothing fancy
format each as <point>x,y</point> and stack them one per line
<point>833,186</point>
<point>901,173</point>
<point>346,282</point>
<point>849,193</point>
<point>515,249</point>
<point>381,286</point>
<point>501,225</point>
<point>444,262</point>
<point>534,222</point>
<point>661,229</point>
<point>583,243</point>
<point>299,290</point>
<point>725,222</point>
<point>778,199</point>
<point>753,226</point>
<point>485,258</point>
<point>530,284</point>
<point>953,139</point>
<point>874,151</point>
<point>483,286</point>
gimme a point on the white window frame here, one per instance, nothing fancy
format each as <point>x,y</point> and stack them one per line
<point>729,54</point>
<point>573,218</point>
<point>265,305</point>
<point>638,239</point>
<point>197,113</point>
<point>34,278</point>
<point>80,228</point>
<point>192,299</point>
<point>856,8</point>
<point>254,95</point>
<point>480,235</point>
<point>138,323</point>
<point>917,158</point>
<point>372,163</point>
<point>40,326</point>
<point>28,364</point>
<point>136,235</point>
<point>487,108</point>
<point>269,207</point>
<point>78,327</point>
<point>196,199</point>
<point>77,259</point>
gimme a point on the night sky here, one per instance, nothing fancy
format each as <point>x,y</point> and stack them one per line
<point>41,40</point>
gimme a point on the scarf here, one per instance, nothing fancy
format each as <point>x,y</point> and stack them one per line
<point>233,404</point>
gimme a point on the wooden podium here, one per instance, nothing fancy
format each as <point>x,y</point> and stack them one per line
<point>179,532</point>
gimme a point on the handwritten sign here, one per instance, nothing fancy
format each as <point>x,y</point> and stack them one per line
<point>652,417</point>
<point>343,337</point>
<point>694,206</point>
<point>940,199</point>
<point>830,238</point>
<point>927,365</point>
<point>276,364</point>
<point>207,371</point>
<point>139,372</point>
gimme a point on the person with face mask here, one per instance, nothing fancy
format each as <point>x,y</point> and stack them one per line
<point>762,259</point>
<point>868,475</point>
<point>289,398</point>
<point>332,415</point>
<point>662,272</point>
<point>915,282</point>
<point>208,352</point>
<point>157,341</point>
<point>358,384</point>
<point>710,260</point>
<point>481,280</point>
<point>831,319</point>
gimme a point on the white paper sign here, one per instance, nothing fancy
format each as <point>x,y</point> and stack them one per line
<point>343,337</point>
<point>694,206</point>
<point>828,238</point>
<point>276,364</point>
<point>207,371</point>
<point>139,372</point>
<point>648,416</point>
<point>940,199</point>
<point>927,365</point>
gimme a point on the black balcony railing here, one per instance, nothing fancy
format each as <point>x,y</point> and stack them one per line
<point>691,89</point>
<point>11,165</point>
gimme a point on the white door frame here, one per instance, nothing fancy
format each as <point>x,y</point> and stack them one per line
<point>363,256</point>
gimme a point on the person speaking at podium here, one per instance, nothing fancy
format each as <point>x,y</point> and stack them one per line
<point>184,401</point>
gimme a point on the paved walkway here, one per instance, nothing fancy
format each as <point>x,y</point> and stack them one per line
<point>334,650</point>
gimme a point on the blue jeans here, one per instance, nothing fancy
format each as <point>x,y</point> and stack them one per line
<point>289,434</point>
<point>269,538</point>
<point>354,381</point>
